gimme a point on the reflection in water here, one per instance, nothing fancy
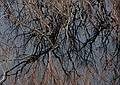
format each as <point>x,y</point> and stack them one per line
<point>59,42</point>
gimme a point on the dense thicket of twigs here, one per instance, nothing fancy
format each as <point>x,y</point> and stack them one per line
<point>63,39</point>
